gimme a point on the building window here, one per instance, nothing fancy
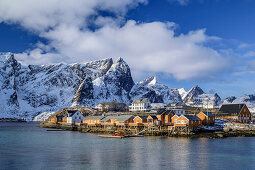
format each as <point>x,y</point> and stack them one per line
<point>179,121</point>
<point>137,121</point>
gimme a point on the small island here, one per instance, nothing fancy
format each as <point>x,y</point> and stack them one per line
<point>231,120</point>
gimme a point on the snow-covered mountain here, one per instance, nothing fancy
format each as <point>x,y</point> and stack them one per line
<point>182,92</point>
<point>29,90</point>
<point>198,98</point>
<point>191,96</point>
<point>156,92</point>
<point>115,84</point>
<point>26,91</point>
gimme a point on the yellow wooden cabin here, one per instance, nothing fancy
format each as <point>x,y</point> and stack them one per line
<point>207,118</point>
<point>188,120</point>
<point>93,120</point>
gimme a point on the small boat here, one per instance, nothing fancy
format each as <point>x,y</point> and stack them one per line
<point>111,136</point>
<point>117,134</point>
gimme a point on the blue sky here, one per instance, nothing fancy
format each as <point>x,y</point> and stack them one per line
<point>184,42</point>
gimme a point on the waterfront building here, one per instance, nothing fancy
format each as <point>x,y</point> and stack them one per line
<point>207,118</point>
<point>74,117</point>
<point>166,117</point>
<point>93,120</point>
<point>235,112</point>
<point>152,120</point>
<point>188,121</point>
<point>117,120</point>
<point>140,120</point>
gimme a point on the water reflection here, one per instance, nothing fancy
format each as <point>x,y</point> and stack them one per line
<point>31,147</point>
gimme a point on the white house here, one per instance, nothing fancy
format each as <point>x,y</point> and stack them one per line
<point>179,112</point>
<point>74,116</point>
<point>140,105</point>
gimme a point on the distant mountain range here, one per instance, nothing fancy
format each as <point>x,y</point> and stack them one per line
<point>29,90</point>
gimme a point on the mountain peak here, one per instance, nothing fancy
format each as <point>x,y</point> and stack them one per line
<point>119,60</point>
<point>182,92</point>
<point>6,56</point>
<point>193,93</point>
<point>153,81</point>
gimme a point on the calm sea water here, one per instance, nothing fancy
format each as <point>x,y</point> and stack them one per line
<point>26,146</point>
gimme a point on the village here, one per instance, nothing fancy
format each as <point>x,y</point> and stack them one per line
<point>144,117</point>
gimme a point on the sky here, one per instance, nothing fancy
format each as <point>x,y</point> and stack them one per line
<point>210,43</point>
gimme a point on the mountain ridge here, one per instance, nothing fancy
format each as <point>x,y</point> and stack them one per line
<point>29,90</point>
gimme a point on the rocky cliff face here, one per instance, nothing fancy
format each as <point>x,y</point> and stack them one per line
<point>115,84</point>
<point>9,72</point>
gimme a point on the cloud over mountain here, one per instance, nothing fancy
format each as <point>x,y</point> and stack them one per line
<point>147,47</point>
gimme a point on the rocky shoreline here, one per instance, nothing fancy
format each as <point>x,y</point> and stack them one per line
<point>211,134</point>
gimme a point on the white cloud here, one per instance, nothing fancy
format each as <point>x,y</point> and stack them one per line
<point>40,15</point>
<point>147,47</point>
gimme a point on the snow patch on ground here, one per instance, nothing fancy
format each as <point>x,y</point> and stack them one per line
<point>43,116</point>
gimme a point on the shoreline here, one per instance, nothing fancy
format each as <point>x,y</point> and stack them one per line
<point>210,134</point>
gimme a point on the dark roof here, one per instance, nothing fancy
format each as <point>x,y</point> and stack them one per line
<point>209,114</point>
<point>153,116</point>
<point>143,117</point>
<point>93,117</point>
<point>192,117</point>
<point>167,112</point>
<point>118,118</point>
<point>231,108</point>
<point>70,113</point>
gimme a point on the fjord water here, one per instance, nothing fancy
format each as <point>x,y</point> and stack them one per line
<point>26,146</point>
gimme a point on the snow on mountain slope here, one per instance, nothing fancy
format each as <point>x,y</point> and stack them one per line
<point>209,100</point>
<point>191,97</point>
<point>229,100</point>
<point>198,98</point>
<point>42,116</point>
<point>28,90</point>
<point>8,83</point>
<point>115,84</point>
<point>156,92</point>
<point>182,92</point>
